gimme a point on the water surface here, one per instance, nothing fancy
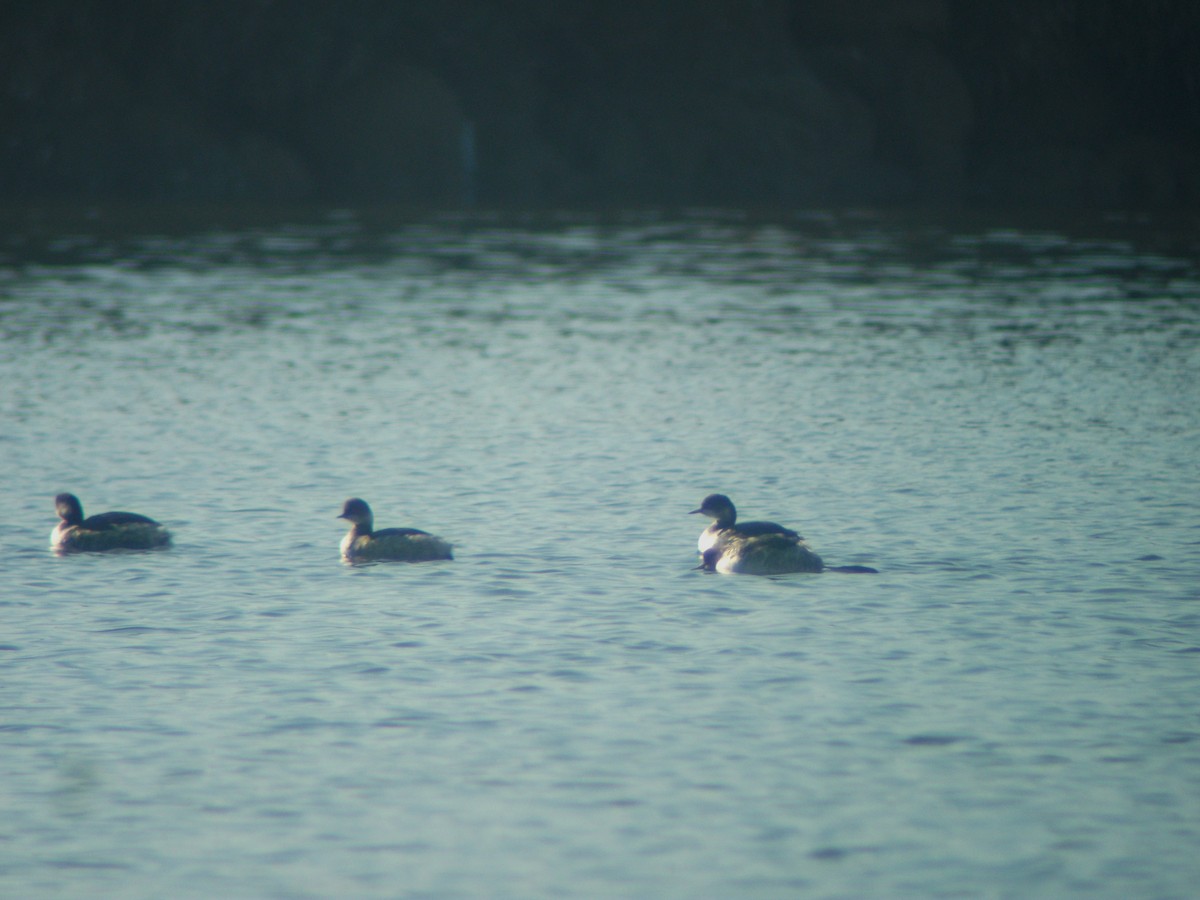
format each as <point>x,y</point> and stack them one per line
<point>1003,421</point>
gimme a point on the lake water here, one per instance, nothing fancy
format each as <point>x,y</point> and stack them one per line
<point>1004,421</point>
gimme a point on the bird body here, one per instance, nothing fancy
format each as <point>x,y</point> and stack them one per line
<point>765,554</point>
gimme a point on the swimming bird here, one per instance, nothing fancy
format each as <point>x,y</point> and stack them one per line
<point>725,525</point>
<point>104,531</point>
<point>755,548</point>
<point>362,543</point>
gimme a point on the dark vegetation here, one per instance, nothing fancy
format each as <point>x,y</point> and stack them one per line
<point>528,103</point>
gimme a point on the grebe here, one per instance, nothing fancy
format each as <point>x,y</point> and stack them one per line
<point>721,510</point>
<point>756,548</point>
<point>363,543</point>
<point>104,531</point>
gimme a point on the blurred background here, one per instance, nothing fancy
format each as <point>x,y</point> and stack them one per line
<point>598,103</point>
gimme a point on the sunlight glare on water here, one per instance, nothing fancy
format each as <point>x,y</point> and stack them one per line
<point>1004,422</point>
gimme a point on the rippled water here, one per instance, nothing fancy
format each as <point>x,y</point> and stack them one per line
<point>1004,422</point>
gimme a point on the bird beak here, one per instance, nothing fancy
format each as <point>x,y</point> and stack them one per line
<point>694,511</point>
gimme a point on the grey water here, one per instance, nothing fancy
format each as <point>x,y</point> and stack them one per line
<point>1004,421</point>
